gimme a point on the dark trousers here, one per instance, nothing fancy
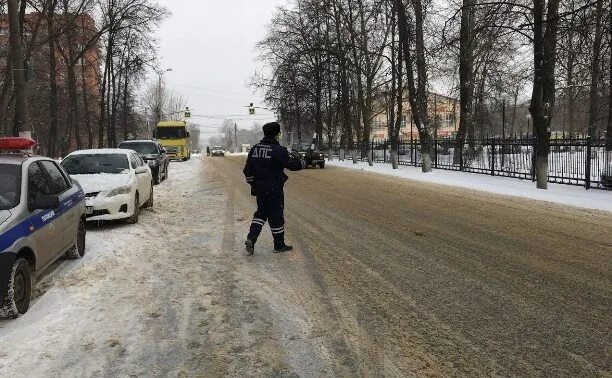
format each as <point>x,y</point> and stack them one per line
<point>270,206</point>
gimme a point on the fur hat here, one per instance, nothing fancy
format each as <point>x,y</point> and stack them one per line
<point>271,129</point>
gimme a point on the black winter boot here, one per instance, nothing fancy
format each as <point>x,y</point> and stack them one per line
<point>285,248</point>
<point>249,246</point>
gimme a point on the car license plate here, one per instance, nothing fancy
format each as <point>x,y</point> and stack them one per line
<point>89,210</point>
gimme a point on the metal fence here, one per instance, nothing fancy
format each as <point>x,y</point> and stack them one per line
<point>575,161</point>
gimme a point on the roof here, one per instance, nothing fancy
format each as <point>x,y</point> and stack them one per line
<point>171,123</point>
<point>12,158</point>
<point>101,151</point>
<point>139,141</point>
<point>16,158</point>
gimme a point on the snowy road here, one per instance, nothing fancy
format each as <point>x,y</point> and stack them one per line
<point>398,278</point>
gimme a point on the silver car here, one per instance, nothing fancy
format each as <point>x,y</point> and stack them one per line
<point>42,217</point>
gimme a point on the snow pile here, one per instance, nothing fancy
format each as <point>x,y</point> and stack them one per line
<point>556,193</point>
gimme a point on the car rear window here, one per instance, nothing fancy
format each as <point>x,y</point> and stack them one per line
<point>91,164</point>
<point>141,148</point>
<point>10,186</point>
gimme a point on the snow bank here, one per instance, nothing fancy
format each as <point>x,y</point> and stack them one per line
<point>556,193</point>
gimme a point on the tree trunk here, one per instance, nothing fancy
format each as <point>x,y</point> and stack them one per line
<point>543,95</point>
<point>126,80</point>
<point>112,132</point>
<point>466,76</point>
<point>318,105</point>
<point>569,93</point>
<point>609,127</point>
<point>73,105</point>
<point>90,139</point>
<point>595,70</point>
<point>53,92</point>
<point>103,96</point>
<point>397,93</point>
<point>4,95</point>
<point>21,103</point>
<point>417,92</point>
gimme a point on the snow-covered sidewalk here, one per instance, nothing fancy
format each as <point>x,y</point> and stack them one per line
<point>556,193</point>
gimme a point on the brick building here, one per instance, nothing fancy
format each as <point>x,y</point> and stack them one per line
<point>443,116</point>
<point>87,74</point>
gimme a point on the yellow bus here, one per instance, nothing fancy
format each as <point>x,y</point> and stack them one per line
<point>174,137</point>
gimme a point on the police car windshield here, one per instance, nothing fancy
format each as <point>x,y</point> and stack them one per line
<point>141,148</point>
<point>10,186</point>
<point>96,164</point>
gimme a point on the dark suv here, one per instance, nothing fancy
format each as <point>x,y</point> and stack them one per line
<point>311,156</point>
<point>153,154</point>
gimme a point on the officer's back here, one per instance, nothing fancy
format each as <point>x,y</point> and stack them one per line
<point>266,162</point>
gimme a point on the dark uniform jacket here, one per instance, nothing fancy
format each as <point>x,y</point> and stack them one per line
<point>265,165</point>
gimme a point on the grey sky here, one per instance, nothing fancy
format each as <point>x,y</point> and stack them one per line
<point>210,46</point>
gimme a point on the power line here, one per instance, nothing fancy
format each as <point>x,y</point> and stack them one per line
<point>210,90</point>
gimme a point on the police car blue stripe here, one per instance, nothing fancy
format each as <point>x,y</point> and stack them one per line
<point>22,230</point>
<point>11,236</point>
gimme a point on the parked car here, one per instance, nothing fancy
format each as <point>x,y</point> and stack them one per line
<point>217,151</point>
<point>310,155</point>
<point>153,154</point>
<point>116,182</point>
<point>42,217</point>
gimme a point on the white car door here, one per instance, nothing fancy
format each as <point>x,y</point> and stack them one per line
<point>144,179</point>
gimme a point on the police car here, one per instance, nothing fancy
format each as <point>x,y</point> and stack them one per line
<point>42,217</point>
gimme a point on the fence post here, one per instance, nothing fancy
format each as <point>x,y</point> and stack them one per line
<point>435,152</point>
<point>587,168</point>
<point>493,156</point>
<point>372,150</point>
<point>385,152</point>
<point>460,157</point>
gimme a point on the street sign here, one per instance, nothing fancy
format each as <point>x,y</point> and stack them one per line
<point>251,111</point>
<point>187,112</point>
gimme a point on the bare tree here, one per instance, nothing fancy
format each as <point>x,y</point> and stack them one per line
<point>545,22</point>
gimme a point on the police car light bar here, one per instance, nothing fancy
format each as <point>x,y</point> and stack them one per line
<point>16,143</point>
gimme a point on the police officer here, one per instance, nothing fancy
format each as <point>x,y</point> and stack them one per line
<point>264,172</point>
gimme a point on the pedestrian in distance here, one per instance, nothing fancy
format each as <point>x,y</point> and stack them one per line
<point>207,150</point>
<point>264,171</point>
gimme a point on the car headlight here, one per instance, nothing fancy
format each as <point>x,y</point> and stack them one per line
<point>118,191</point>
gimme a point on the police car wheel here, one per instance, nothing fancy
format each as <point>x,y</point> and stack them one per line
<point>78,250</point>
<point>134,218</point>
<point>17,301</point>
<point>321,165</point>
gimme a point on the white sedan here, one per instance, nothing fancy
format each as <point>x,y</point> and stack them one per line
<point>116,182</point>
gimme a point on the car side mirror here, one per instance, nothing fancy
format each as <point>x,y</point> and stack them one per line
<point>45,202</point>
<point>141,170</point>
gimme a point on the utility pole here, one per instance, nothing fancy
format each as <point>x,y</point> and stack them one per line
<point>18,69</point>
<point>236,136</point>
